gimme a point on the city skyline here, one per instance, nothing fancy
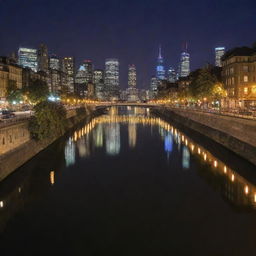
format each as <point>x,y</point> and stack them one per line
<point>131,39</point>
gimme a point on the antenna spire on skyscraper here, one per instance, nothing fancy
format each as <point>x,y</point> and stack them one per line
<point>160,51</point>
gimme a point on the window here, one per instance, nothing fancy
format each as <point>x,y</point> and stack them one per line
<point>254,89</point>
<point>245,90</point>
<point>246,79</point>
<point>245,68</point>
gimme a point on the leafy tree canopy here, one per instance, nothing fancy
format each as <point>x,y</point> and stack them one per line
<point>12,92</point>
<point>38,91</point>
<point>49,120</point>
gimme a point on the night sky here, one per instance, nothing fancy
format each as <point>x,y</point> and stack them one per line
<point>128,30</point>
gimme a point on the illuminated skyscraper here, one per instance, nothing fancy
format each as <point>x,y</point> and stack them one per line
<point>172,75</point>
<point>80,77</point>
<point>132,91</point>
<point>112,78</point>
<point>68,66</point>
<point>98,80</point>
<point>160,71</point>
<point>219,52</point>
<point>43,61</point>
<point>89,71</point>
<point>28,58</point>
<point>132,76</point>
<point>54,62</point>
<point>184,67</point>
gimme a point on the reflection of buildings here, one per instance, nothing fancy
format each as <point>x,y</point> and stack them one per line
<point>112,138</point>
<point>168,143</point>
<point>132,132</point>
<point>98,136</point>
<point>82,146</point>
<point>185,158</point>
<point>70,152</point>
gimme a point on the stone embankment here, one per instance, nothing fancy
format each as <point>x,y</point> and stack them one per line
<point>16,146</point>
<point>236,134</point>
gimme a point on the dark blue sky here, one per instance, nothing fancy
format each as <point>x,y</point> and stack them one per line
<point>128,30</point>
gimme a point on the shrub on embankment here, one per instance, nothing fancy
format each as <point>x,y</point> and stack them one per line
<point>49,121</point>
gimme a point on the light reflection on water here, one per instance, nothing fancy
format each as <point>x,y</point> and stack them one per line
<point>106,134</point>
<point>105,130</point>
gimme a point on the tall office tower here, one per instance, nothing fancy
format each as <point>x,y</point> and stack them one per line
<point>28,58</point>
<point>132,91</point>
<point>172,75</point>
<point>153,83</point>
<point>219,52</point>
<point>160,71</point>
<point>89,70</point>
<point>132,76</point>
<point>54,62</point>
<point>98,81</point>
<point>184,67</point>
<point>80,77</point>
<point>68,65</point>
<point>42,57</point>
<point>112,78</point>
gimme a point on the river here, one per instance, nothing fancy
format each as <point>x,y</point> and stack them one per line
<point>130,183</point>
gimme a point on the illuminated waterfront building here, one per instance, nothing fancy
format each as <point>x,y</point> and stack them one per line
<point>10,73</point>
<point>42,57</point>
<point>160,71</point>
<point>239,77</point>
<point>219,52</point>
<point>68,65</point>
<point>112,78</point>
<point>27,57</point>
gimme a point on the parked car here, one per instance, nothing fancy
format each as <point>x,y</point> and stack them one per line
<point>7,114</point>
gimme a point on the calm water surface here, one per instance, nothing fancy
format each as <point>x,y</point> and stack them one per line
<point>129,183</point>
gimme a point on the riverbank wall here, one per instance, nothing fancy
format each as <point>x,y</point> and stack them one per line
<point>236,134</point>
<point>17,147</point>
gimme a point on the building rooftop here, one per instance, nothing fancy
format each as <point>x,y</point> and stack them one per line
<point>239,51</point>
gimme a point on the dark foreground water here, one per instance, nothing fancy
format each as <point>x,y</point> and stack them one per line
<point>128,183</point>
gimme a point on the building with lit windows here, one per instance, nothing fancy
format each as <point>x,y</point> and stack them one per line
<point>160,71</point>
<point>89,70</point>
<point>184,66</point>
<point>54,62</point>
<point>239,77</point>
<point>43,59</point>
<point>153,87</point>
<point>132,91</point>
<point>27,58</point>
<point>10,73</point>
<point>132,76</point>
<point>68,66</point>
<point>81,81</point>
<point>98,81</point>
<point>112,78</point>
<point>171,75</point>
<point>219,52</point>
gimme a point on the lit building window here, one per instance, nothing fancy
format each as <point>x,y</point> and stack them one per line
<point>254,89</point>
<point>245,90</point>
<point>246,79</point>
